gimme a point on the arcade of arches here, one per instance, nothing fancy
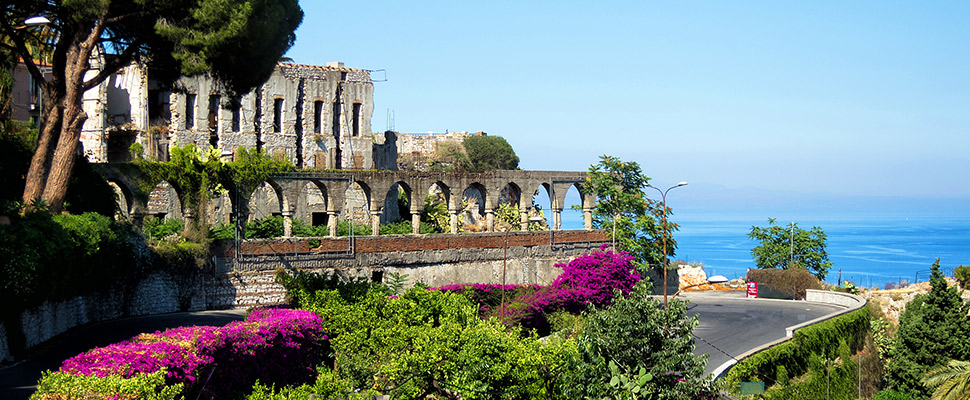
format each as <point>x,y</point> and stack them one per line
<point>326,197</point>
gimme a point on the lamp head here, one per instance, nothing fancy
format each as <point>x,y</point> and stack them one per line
<point>38,20</point>
<point>682,183</point>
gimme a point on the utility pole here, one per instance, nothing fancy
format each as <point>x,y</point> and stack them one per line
<point>791,245</point>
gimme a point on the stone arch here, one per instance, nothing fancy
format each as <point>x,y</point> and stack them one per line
<point>547,194</point>
<point>393,211</point>
<point>266,201</point>
<point>313,203</point>
<point>566,216</point>
<point>438,196</point>
<point>124,199</point>
<point>357,202</point>
<point>474,218</point>
<point>164,201</point>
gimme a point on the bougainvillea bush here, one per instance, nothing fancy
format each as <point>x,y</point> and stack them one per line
<point>275,346</point>
<point>589,279</point>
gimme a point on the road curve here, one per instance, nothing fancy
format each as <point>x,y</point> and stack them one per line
<point>731,325</point>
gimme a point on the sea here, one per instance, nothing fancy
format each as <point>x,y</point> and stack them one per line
<point>871,251</point>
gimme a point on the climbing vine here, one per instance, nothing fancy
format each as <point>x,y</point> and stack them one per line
<point>200,173</point>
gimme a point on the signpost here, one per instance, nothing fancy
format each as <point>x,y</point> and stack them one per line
<point>752,290</point>
<point>752,388</point>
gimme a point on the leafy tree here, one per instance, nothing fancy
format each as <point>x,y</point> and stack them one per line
<point>635,345</point>
<point>235,41</point>
<point>952,381</point>
<point>486,153</point>
<point>786,247</point>
<point>622,204</point>
<point>933,329</point>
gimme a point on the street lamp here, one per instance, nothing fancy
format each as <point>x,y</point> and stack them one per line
<point>38,20</point>
<point>712,280</point>
<point>663,198</point>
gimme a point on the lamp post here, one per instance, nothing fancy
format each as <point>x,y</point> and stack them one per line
<point>663,203</point>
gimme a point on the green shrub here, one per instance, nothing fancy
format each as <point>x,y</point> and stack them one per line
<point>792,281</point>
<point>160,228</point>
<point>343,228</point>
<point>431,344</point>
<point>53,385</point>
<point>223,231</point>
<point>962,275</point>
<point>404,228</point>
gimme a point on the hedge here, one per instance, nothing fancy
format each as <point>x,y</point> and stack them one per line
<point>821,339</point>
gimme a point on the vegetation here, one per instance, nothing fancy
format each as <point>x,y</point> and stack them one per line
<point>950,382</point>
<point>962,275</point>
<point>790,247</point>
<point>933,329</point>
<point>826,340</point>
<point>623,209</point>
<point>486,153</point>
<point>790,283</point>
<point>237,42</point>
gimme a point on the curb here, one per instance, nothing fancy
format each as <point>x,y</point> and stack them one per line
<point>851,302</point>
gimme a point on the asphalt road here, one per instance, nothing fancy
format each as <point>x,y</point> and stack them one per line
<point>730,324</point>
<point>18,381</point>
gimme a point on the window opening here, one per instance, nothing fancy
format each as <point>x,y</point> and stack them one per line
<point>190,111</point>
<point>277,115</point>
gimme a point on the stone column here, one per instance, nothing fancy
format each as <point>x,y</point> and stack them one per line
<point>490,220</point>
<point>557,219</point>
<point>190,225</point>
<point>287,224</point>
<point>453,220</point>
<point>415,222</point>
<point>524,220</point>
<point>375,223</point>
<point>332,222</point>
<point>588,218</point>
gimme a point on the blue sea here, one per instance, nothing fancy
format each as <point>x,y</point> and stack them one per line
<point>870,251</point>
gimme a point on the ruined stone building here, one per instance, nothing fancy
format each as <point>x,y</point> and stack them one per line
<point>314,116</point>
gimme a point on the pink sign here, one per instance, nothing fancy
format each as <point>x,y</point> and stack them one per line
<point>752,290</point>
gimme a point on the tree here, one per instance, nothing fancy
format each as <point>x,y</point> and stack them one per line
<point>622,204</point>
<point>933,329</point>
<point>952,381</point>
<point>786,247</point>
<point>637,345</point>
<point>237,42</point>
<point>486,153</point>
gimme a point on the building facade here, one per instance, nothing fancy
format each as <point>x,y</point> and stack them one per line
<point>317,117</point>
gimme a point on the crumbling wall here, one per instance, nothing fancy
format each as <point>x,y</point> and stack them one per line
<point>415,151</point>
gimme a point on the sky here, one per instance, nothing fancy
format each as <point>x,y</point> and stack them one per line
<point>744,100</point>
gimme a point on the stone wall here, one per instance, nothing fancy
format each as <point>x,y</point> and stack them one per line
<point>414,150</point>
<point>156,294</point>
<point>247,280</point>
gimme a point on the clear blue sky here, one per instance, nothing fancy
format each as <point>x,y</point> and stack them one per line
<point>821,97</point>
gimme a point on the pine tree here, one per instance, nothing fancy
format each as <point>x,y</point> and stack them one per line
<point>932,330</point>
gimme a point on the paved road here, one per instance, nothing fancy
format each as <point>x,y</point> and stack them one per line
<point>18,381</point>
<point>731,325</point>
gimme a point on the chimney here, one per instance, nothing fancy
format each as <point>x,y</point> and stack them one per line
<point>335,64</point>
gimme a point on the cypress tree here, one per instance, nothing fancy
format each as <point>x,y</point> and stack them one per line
<point>932,330</point>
